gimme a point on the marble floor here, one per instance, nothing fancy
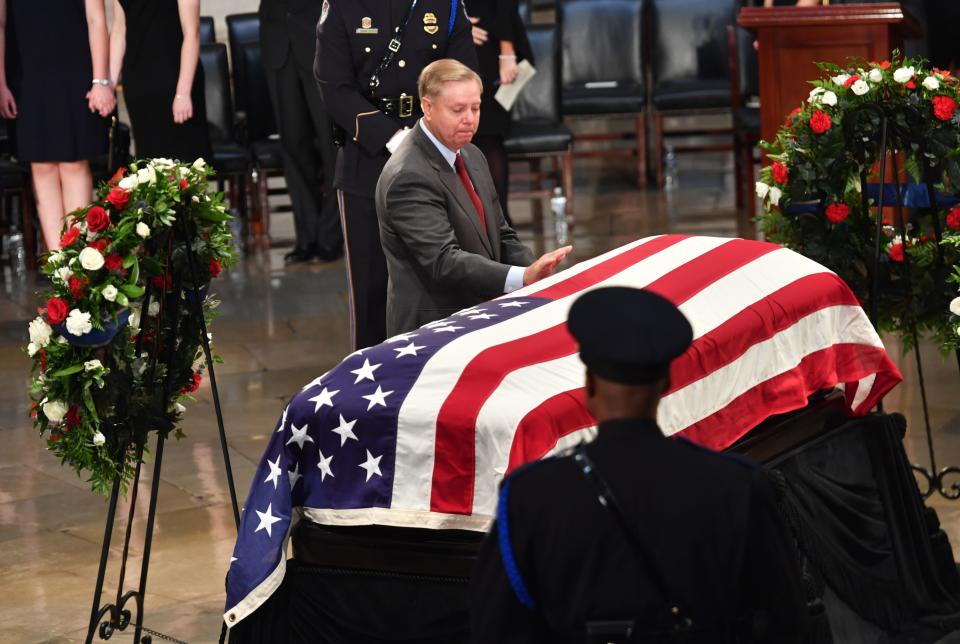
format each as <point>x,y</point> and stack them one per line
<point>279,328</point>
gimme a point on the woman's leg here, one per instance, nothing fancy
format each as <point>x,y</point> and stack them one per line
<point>46,186</point>
<point>493,148</point>
<point>77,185</point>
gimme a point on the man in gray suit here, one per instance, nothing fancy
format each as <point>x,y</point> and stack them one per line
<point>447,244</point>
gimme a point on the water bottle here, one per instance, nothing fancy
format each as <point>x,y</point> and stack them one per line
<point>558,204</point>
<point>17,252</point>
<point>670,168</point>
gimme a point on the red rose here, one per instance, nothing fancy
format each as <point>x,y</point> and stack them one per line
<point>910,85</point>
<point>77,286</point>
<point>57,310</point>
<point>896,252</point>
<point>113,263</point>
<point>837,212</point>
<point>72,417</point>
<point>118,198</point>
<point>850,81</point>
<point>944,107</point>
<point>183,184</point>
<point>163,282</point>
<point>820,122</point>
<point>214,268</point>
<point>953,219</point>
<point>194,385</point>
<point>100,244</point>
<point>69,237</point>
<point>97,219</point>
<point>885,64</point>
<point>779,172</point>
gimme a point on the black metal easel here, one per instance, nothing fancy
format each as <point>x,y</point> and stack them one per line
<point>115,616</point>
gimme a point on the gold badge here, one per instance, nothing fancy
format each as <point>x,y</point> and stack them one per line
<point>431,29</point>
<point>366,26</point>
<point>429,19</point>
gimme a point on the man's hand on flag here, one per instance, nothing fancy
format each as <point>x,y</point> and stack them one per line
<point>545,266</point>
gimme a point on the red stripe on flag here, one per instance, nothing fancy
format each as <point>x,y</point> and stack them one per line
<point>455,452</point>
<point>542,427</point>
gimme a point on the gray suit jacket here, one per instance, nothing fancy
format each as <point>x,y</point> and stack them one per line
<point>439,258</point>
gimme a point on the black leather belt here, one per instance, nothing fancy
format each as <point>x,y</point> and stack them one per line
<point>403,106</point>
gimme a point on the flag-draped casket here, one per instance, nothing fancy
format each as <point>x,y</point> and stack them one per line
<point>419,431</point>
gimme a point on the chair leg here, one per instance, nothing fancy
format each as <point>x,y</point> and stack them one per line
<point>658,147</point>
<point>256,210</point>
<point>641,136</point>
<point>567,161</point>
<point>750,227</point>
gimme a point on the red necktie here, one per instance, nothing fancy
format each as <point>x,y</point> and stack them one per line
<point>474,197</point>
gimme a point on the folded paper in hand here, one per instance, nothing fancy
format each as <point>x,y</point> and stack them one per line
<point>507,94</point>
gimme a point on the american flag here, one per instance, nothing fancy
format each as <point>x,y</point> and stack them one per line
<point>419,431</point>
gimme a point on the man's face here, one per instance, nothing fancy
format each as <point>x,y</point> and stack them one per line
<point>454,114</point>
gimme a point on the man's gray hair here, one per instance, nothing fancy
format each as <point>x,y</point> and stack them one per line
<point>445,70</point>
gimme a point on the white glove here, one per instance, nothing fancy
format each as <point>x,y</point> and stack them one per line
<point>397,139</point>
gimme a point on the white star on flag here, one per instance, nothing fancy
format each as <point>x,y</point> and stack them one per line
<point>483,316</point>
<point>365,372</point>
<point>324,466</point>
<point>379,397</point>
<point>470,311</point>
<point>409,350</point>
<point>447,329</point>
<point>275,472</point>
<point>435,324</point>
<point>266,520</point>
<point>372,465</point>
<point>299,435</point>
<point>295,475</point>
<point>325,397</point>
<point>512,305</point>
<point>283,419</point>
<point>345,430</point>
<point>403,337</point>
<point>316,382</point>
<point>232,559</point>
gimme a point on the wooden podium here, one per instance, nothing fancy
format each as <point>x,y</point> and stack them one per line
<point>792,39</point>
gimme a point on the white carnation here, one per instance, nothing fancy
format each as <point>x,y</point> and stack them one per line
<point>55,410</point>
<point>762,189</point>
<point>63,274</point>
<point>147,175</point>
<point>154,308</point>
<point>32,349</point>
<point>840,79</point>
<point>128,183</point>
<point>91,259</point>
<point>199,164</point>
<point>40,332</point>
<point>99,438</point>
<point>955,306</point>
<point>78,322</point>
<point>829,98</point>
<point>109,293</point>
<point>92,365</point>
<point>775,194</point>
<point>875,75</point>
<point>904,74</point>
<point>143,230</point>
<point>860,87</point>
<point>56,257</point>
<point>931,83</point>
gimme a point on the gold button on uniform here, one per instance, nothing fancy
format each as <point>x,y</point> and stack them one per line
<point>366,49</point>
<point>402,63</point>
<point>434,45</point>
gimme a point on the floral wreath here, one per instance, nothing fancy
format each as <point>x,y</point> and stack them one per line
<point>814,199</point>
<point>106,373</point>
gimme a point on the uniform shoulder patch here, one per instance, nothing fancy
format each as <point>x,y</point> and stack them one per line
<point>324,10</point>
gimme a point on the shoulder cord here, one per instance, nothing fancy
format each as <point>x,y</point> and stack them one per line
<point>506,549</point>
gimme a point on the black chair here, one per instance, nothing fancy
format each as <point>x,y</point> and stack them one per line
<point>745,105</point>
<point>208,33</point>
<point>603,70</point>
<point>689,65</point>
<point>17,206</point>
<point>231,160</point>
<point>537,131</point>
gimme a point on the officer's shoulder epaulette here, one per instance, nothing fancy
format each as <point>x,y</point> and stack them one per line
<point>732,457</point>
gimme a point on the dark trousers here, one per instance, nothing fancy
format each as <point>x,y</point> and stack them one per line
<point>366,270</point>
<point>309,158</point>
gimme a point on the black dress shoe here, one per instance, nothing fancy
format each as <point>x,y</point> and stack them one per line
<point>329,255</point>
<point>297,256</point>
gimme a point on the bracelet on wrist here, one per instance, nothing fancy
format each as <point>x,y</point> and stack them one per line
<point>101,81</point>
<point>508,56</point>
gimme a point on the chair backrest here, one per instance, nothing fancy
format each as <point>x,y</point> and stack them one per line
<point>540,97</point>
<point>748,69</point>
<point>242,29</point>
<point>689,40</point>
<point>602,41</point>
<point>208,31</point>
<point>213,57</point>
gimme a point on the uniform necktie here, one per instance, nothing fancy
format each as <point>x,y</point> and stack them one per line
<point>474,197</point>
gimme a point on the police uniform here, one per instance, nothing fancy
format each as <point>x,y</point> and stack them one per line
<point>706,549</point>
<point>352,38</point>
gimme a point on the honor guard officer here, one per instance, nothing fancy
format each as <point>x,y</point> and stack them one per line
<point>369,55</point>
<point>635,537</point>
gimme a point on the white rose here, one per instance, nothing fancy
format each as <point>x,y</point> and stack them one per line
<point>199,164</point>
<point>99,438</point>
<point>55,410</point>
<point>32,349</point>
<point>40,332</point>
<point>816,91</point>
<point>134,319</point>
<point>91,259</point>
<point>147,175</point>
<point>955,306</point>
<point>840,79</point>
<point>56,257</point>
<point>63,274</point>
<point>143,230</point>
<point>109,293</point>
<point>162,163</point>
<point>903,75</point>
<point>92,365</point>
<point>78,322</point>
<point>154,308</point>
<point>829,98</point>
<point>775,194</point>
<point>762,189</point>
<point>128,183</point>
<point>860,87</point>
<point>875,75</point>
<point>931,83</point>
